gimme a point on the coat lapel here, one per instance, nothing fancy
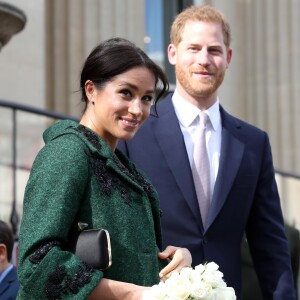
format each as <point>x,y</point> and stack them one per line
<point>167,130</point>
<point>118,169</point>
<point>116,161</point>
<point>232,150</point>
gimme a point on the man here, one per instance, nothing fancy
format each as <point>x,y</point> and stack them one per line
<point>9,284</point>
<point>242,193</point>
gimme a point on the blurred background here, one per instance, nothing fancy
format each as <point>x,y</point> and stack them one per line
<point>49,39</point>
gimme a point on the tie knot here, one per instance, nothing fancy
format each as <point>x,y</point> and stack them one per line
<point>204,118</point>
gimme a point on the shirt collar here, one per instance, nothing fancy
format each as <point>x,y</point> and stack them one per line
<point>5,272</point>
<point>187,112</point>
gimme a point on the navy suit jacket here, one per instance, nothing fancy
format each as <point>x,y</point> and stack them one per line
<point>245,198</point>
<point>9,286</point>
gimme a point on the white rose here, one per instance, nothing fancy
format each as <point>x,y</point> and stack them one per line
<point>177,287</point>
<point>215,278</point>
<point>186,272</point>
<point>211,266</point>
<point>157,292</point>
<point>193,276</point>
<point>199,269</point>
<point>224,293</point>
<point>201,290</point>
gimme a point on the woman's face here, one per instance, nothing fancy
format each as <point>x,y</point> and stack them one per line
<point>117,110</point>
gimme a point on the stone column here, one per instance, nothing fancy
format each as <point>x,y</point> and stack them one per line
<point>73,29</point>
<point>262,84</point>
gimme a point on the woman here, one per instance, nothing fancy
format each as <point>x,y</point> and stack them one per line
<point>80,176</point>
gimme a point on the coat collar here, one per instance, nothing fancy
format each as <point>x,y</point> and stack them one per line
<point>96,147</point>
<point>116,161</point>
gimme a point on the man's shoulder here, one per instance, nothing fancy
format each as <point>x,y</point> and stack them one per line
<point>13,272</point>
<point>11,279</point>
<point>163,106</point>
<point>230,120</point>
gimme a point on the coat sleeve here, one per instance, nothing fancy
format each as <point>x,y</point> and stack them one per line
<point>53,194</point>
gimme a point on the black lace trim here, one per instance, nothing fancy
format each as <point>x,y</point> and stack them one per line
<point>147,186</point>
<point>92,137</point>
<point>107,180</point>
<point>42,251</point>
<point>59,282</point>
<point>139,178</point>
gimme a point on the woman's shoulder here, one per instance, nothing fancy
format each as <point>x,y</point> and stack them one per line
<point>68,146</point>
<point>63,132</point>
<point>63,146</point>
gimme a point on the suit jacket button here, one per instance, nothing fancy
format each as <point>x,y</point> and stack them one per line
<point>204,240</point>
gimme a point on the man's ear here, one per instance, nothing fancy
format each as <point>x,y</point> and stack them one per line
<point>3,253</point>
<point>172,51</point>
<point>229,56</point>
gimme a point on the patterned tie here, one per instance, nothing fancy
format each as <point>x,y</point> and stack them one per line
<point>201,168</point>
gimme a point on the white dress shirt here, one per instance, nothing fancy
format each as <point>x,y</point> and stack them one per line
<point>187,115</point>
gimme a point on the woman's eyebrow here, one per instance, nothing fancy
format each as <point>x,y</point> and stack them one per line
<point>134,87</point>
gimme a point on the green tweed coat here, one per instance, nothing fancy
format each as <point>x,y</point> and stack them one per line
<point>77,177</point>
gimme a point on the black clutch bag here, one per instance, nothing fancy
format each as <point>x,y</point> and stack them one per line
<point>92,246</point>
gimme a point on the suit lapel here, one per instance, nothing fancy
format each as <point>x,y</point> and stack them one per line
<point>232,150</point>
<point>3,286</point>
<point>167,130</point>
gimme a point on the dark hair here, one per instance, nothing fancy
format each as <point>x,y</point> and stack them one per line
<point>115,56</point>
<point>7,238</point>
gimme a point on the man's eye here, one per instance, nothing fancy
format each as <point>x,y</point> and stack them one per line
<point>216,50</point>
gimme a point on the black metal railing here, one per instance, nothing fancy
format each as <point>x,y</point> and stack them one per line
<point>12,149</point>
<point>287,174</point>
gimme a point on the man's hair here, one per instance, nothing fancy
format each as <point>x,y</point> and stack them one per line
<point>7,238</point>
<point>203,13</point>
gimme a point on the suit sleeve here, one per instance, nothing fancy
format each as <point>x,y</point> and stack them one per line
<point>266,235</point>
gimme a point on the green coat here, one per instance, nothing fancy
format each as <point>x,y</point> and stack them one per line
<point>77,177</point>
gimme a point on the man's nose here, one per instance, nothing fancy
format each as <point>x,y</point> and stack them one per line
<point>203,57</point>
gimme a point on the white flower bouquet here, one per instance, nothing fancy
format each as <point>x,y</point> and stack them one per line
<point>205,282</point>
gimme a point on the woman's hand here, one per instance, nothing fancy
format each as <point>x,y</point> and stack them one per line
<point>179,258</point>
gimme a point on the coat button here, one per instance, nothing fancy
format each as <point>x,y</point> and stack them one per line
<point>205,241</point>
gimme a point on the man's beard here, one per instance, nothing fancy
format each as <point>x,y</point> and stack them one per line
<point>202,88</point>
